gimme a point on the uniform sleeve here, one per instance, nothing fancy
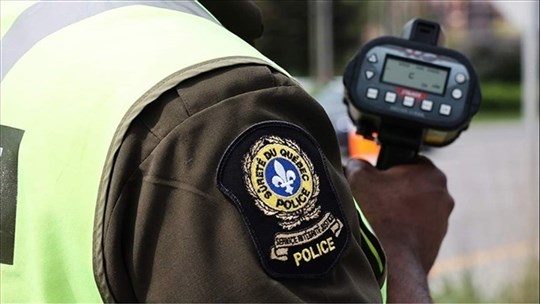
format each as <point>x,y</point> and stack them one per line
<point>173,234</point>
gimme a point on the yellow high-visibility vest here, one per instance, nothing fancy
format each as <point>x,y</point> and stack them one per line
<point>74,75</point>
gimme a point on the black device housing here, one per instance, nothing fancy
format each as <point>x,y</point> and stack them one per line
<point>401,135</point>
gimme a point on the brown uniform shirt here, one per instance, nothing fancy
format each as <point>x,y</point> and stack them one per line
<point>171,235</point>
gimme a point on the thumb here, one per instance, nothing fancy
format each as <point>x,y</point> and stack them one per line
<point>359,166</point>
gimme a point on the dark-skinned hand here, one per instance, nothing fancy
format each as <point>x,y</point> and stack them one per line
<point>408,206</point>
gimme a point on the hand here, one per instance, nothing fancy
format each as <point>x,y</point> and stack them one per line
<point>408,207</point>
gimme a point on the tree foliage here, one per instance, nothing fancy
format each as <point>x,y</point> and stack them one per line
<point>286,33</point>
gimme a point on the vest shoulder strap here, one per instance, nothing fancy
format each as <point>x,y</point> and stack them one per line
<point>74,93</point>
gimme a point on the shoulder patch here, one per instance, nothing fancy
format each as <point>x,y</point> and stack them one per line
<point>275,174</point>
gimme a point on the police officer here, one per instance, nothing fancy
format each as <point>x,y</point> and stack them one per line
<point>217,178</point>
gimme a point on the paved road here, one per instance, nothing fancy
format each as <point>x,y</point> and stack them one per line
<point>493,175</point>
<point>492,172</point>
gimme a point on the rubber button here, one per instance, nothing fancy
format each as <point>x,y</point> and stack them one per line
<point>427,105</point>
<point>372,93</point>
<point>460,78</point>
<point>390,97</point>
<point>369,74</point>
<point>408,101</point>
<point>457,94</point>
<point>445,110</point>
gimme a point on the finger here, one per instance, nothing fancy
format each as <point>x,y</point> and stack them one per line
<point>434,172</point>
<point>355,166</point>
<point>419,163</point>
<point>420,159</point>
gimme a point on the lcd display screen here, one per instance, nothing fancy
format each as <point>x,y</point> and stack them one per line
<point>415,75</point>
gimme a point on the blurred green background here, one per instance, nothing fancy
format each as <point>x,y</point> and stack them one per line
<point>490,253</point>
<point>475,28</point>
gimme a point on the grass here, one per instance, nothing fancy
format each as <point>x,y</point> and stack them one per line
<point>500,97</point>
<point>500,101</point>
<point>524,290</point>
<point>486,116</point>
<point>463,291</point>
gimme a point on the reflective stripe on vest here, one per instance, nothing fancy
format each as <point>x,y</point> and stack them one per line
<point>73,93</point>
<point>372,248</point>
<point>42,19</point>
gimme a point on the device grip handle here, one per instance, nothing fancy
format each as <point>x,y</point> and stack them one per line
<point>392,155</point>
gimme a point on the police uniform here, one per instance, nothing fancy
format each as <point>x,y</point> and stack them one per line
<point>222,182</point>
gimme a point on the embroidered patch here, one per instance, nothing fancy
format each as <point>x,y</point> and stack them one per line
<point>277,177</point>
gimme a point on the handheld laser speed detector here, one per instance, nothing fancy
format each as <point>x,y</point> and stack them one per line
<point>408,92</point>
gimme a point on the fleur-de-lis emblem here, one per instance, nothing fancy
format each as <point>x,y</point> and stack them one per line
<point>283,179</point>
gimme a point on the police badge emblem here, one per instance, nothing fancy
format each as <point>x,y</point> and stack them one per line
<point>277,176</point>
